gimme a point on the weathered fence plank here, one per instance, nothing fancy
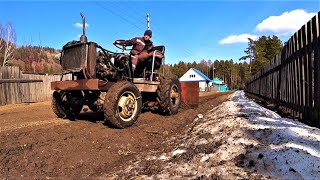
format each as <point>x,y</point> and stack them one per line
<point>310,72</point>
<point>316,48</point>
<point>20,80</point>
<point>18,87</point>
<point>291,79</point>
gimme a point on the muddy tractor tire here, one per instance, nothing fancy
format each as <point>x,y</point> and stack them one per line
<point>122,105</point>
<point>169,94</point>
<point>61,106</point>
<point>95,108</point>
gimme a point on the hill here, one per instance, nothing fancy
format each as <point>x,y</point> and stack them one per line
<point>37,59</point>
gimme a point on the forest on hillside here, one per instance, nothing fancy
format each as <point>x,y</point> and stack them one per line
<point>28,57</point>
<point>235,73</point>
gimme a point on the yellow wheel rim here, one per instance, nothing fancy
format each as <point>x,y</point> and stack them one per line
<point>127,106</point>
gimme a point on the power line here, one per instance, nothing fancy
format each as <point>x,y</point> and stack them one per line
<point>138,18</point>
<point>114,13</point>
<point>135,11</point>
<point>117,15</point>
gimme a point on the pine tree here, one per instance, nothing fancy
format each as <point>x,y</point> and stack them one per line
<point>265,48</point>
<point>249,53</point>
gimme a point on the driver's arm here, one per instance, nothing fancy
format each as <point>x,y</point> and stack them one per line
<point>130,42</point>
<point>151,47</point>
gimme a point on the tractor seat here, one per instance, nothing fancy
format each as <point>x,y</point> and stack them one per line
<point>157,61</point>
<point>144,68</point>
<point>159,48</point>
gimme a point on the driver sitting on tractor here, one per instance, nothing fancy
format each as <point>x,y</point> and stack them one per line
<point>142,48</point>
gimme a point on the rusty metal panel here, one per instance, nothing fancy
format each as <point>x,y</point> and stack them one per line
<point>190,93</point>
<point>146,87</point>
<point>92,58</point>
<point>74,57</point>
<point>83,84</point>
<point>142,81</point>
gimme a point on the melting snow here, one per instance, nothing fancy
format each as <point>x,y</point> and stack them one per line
<point>239,139</point>
<point>292,148</point>
<point>179,151</point>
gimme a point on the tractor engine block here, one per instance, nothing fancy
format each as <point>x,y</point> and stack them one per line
<point>111,66</point>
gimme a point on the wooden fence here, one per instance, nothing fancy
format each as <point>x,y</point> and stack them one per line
<point>17,87</point>
<point>291,79</point>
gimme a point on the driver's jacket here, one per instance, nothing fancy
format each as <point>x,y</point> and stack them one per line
<point>138,45</point>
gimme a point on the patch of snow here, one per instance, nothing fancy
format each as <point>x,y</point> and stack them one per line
<point>239,139</point>
<point>200,116</point>
<point>178,151</point>
<point>202,141</point>
<point>300,148</point>
<point>163,157</point>
<point>292,149</point>
<point>204,158</point>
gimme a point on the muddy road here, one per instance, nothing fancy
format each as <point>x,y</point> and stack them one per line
<point>36,144</point>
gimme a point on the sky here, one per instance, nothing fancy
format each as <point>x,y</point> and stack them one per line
<point>191,30</point>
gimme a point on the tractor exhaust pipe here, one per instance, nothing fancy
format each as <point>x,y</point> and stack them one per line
<point>83,38</point>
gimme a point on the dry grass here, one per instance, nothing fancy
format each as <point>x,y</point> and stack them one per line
<point>24,105</point>
<point>202,94</point>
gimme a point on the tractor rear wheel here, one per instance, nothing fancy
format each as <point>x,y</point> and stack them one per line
<point>95,108</point>
<point>96,105</point>
<point>169,94</point>
<point>122,105</point>
<point>61,104</point>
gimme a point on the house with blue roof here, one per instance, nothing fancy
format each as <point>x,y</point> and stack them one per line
<point>194,75</point>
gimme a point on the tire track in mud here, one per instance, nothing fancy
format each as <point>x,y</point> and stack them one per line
<point>17,117</point>
<point>37,145</point>
<point>36,124</point>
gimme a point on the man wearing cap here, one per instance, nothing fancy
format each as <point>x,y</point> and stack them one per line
<point>142,48</point>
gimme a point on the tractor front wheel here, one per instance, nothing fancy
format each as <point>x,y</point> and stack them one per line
<point>122,105</point>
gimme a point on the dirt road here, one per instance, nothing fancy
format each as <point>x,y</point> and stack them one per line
<point>35,144</point>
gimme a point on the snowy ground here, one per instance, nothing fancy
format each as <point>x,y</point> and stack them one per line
<point>237,140</point>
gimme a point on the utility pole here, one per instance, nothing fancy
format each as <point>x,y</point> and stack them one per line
<point>148,21</point>
<point>213,72</point>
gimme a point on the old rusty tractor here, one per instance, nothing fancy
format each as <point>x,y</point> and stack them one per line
<point>104,81</point>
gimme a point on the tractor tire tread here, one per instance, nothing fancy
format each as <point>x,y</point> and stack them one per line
<point>56,107</point>
<point>110,101</point>
<point>164,93</point>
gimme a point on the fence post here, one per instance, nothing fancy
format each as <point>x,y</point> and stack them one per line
<point>310,72</point>
<point>316,48</point>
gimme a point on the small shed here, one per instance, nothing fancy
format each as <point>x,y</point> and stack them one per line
<point>217,82</point>
<point>194,75</point>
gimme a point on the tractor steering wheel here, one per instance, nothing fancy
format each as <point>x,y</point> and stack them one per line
<point>120,46</point>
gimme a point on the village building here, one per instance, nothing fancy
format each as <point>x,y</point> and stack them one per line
<point>194,75</point>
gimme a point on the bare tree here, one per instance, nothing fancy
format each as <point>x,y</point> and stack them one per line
<point>9,37</point>
<point>1,41</point>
